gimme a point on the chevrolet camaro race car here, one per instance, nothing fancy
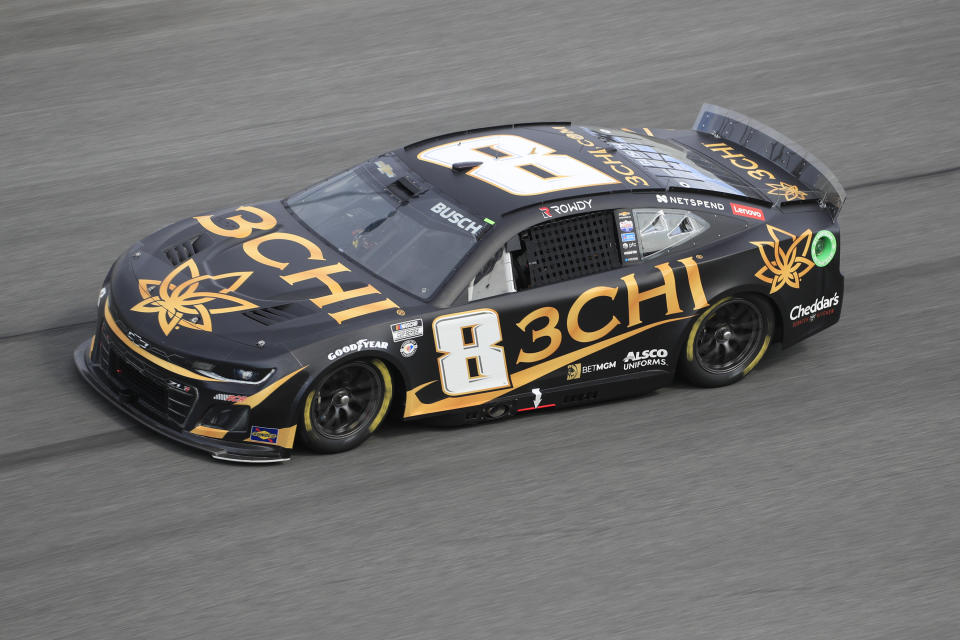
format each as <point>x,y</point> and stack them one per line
<point>469,277</point>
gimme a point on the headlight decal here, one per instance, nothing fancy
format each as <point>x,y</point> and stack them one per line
<point>263,394</point>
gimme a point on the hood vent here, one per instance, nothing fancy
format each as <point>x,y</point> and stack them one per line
<point>275,315</point>
<point>179,253</point>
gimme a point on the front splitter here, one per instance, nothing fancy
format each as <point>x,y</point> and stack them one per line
<point>249,453</point>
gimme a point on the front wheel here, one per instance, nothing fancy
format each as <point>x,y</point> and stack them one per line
<point>727,341</point>
<point>345,405</point>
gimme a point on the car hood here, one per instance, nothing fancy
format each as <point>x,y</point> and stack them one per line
<point>193,284</point>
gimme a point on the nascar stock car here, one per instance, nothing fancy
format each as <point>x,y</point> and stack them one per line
<point>470,277</point>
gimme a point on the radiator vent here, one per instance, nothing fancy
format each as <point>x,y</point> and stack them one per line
<point>275,315</point>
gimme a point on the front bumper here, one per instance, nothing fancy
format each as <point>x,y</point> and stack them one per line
<point>126,398</point>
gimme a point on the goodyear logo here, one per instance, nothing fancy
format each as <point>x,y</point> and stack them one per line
<point>264,434</point>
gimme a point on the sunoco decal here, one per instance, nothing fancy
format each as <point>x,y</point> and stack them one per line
<point>264,434</point>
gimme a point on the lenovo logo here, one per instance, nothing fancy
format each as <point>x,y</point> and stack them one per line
<point>746,212</point>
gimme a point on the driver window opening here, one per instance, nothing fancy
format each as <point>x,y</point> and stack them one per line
<point>581,245</point>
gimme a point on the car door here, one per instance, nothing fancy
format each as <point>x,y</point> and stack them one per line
<point>560,314</point>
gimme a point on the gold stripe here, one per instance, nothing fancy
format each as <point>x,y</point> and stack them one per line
<point>209,432</point>
<point>415,407</point>
<point>285,437</point>
<point>648,132</point>
<point>143,353</point>
<point>261,395</point>
<point>93,341</point>
<point>363,309</point>
<point>696,286</point>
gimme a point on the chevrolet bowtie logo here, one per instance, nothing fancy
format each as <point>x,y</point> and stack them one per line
<point>178,301</point>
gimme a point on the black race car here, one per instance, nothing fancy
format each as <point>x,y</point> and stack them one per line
<point>470,277</point>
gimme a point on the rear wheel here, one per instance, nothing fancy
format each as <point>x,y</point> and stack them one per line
<point>345,406</point>
<point>727,341</point>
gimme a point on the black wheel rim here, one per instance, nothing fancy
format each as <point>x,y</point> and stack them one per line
<point>730,337</point>
<point>347,400</point>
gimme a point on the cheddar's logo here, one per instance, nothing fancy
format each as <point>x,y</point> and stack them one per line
<point>183,304</point>
<point>784,267</point>
<point>242,227</point>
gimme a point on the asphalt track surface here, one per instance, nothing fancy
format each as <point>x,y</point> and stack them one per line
<point>818,498</point>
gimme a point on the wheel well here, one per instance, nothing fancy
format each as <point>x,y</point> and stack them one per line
<point>777,320</point>
<point>759,295</point>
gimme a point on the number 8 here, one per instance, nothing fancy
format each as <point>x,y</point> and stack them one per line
<point>517,165</point>
<point>471,359</point>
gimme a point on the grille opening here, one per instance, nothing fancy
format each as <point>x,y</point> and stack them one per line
<point>154,391</point>
<point>568,248</point>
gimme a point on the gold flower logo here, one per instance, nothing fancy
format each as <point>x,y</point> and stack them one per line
<point>174,302</point>
<point>787,190</point>
<point>784,267</point>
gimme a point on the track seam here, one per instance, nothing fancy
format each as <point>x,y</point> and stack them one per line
<point>37,332</point>
<point>914,176</point>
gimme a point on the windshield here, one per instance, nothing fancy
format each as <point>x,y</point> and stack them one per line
<point>413,245</point>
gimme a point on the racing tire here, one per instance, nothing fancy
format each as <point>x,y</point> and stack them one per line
<point>727,341</point>
<point>345,405</point>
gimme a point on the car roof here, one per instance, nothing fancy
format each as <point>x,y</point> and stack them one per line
<point>627,161</point>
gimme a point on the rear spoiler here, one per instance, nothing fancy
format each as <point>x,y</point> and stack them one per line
<point>775,147</point>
